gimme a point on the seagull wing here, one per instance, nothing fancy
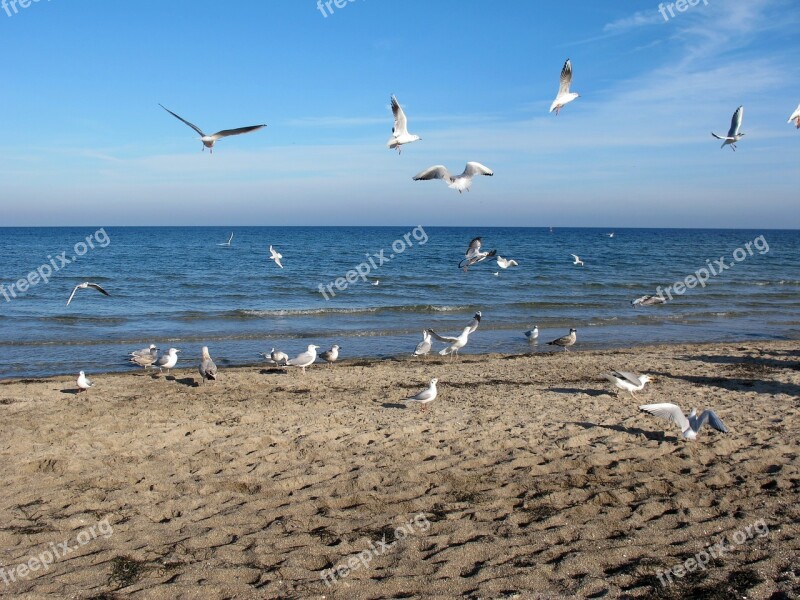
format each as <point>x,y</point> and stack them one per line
<point>566,78</point>
<point>632,378</point>
<point>474,247</point>
<point>99,289</point>
<point>301,359</point>
<point>435,172</point>
<point>229,132</point>
<point>400,121</point>
<point>75,289</point>
<point>667,411</point>
<point>717,136</point>
<point>476,168</point>
<point>443,338</point>
<point>795,115</point>
<point>192,125</point>
<point>710,417</point>
<point>575,256</point>
<point>736,122</point>
<point>426,394</point>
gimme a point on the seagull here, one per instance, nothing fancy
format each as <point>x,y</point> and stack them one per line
<point>228,243</point>
<point>456,343</point>
<point>276,357</point>
<point>425,396</point>
<point>496,273</point>
<point>424,347</point>
<point>505,263</point>
<point>376,282</point>
<point>275,255</point>
<point>610,234</point>
<point>144,351</point>
<point>578,260</point>
<point>145,360</point>
<point>84,383</point>
<point>83,286</point>
<point>400,133</point>
<point>168,360</point>
<point>209,140</point>
<point>473,255</point>
<point>564,95</point>
<point>476,320</point>
<point>306,358</point>
<point>630,382</point>
<point>331,356</point>
<point>733,133</point>
<point>532,334</point>
<point>208,370</point>
<point>458,182</point>
<point>565,341</point>
<point>690,426</point>
<point>795,118</point>
<point>648,301</point>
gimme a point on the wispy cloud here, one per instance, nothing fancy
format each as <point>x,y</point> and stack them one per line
<point>640,18</point>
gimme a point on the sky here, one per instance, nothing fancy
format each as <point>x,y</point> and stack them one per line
<point>85,143</point>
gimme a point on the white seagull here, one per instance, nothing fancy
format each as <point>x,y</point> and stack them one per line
<point>476,320</point>
<point>458,182</point>
<point>168,360</point>
<point>630,382</point>
<point>144,351</point>
<point>532,334</point>
<point>690,426</point>
<point>795,118</point>
<point>209,140</point>
<point>228,243</point>
<point>332,355</point>
<point>208,370</point>
<point>276,357</point>
<point>85,285</point>
<point>566,341</point>
<point>424,347</point>
<point>306,358</point>
<point>648,300</point>
<point>456,343</point>
<point>733,133</point>
<point>564,95</point>
<point>84,383</point>
<point>578,260</point>
<point>504,263</point>
<point>425,396</point>
<point>275,255</point>
<point>400,133</point>
<point>376,282</point>
<point>473,255</point>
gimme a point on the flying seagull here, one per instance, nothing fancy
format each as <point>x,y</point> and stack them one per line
<point>424,347</point>
<point>504,263</point>
<point>733,133</point>
<point>209,140</point>
<point>425,396</point>
<point>332,355</point>
<point>648,300</point>
<point>456,343</point>
<point>795,118</point>
<point>564,95</point>
<point>458,182</point>
<point>476,320</point>
<point>84,383</point>
<point>473,255</point>
<point>690,426</point>
<point>532,334</point>
<point>578,260</point>
<point>306,358</point>
<point>630,382</point>
<point>168,360</point>
<point>228,243</point>
<point>275,255</point>
<point>566,341</point>
<point>208,370</point>
<point>400,133</point>
<point>85,285</point>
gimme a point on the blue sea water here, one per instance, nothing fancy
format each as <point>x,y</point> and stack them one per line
<point>175,286</point>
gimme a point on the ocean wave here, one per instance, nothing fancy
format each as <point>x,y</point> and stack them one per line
<point>245,314</point>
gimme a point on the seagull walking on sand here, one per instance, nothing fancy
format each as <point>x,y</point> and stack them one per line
<point>168,360</point>
<point>564,96</point>
<point>275,255</point>
<point>456,343</point>
<point>84,383</point>
<point>505,263</point>
<point>145,360</point>
<point>630,382</point>
<point>331,356</point>
<point>228,243</point>
<point>305,359</point>
<point>733,133</point>
<point>85,285</point>
<point>648,301</point>
<point>209,140</point>
<point>795,118</point>
<point>208,370</point>
<point>424,347</point>
<point>457,182</point>
<point>566,341</point>
<point>578,260</point>
<point>690,426</point>
<point>532,334</point>
<point>426,396</point>
<point>400,133</point>
<point>473,255</point>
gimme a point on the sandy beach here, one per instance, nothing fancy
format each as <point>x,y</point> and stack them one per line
<point>526,478</point>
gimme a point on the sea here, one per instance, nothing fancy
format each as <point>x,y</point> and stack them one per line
<point>373,290</point>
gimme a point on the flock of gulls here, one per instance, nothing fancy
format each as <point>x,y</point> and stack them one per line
<point>626,381</point>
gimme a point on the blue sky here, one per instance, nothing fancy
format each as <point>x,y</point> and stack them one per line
<point>85,143</point>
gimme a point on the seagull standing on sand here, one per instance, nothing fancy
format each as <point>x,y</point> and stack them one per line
<point>795,118</point>
<point>85,285</point>
<point>145,360</point>
<point>566,341</point>
<point>426,396</point>
<point>505,263</point>
<point>208,370</point>
<point>648,301</point>
<point>276,357</point>
<point>424,347</point>
<point>456,343</point>
<point>564,95</point>
<point>690,426</point>
<point>473,255</point>
<point>733,133</point>
<point>168,360</point>
<point>306,358</point>
<point>275,255</point>
<point>457,182</point>
<point>228,243</point>
<point>532,334</point>
<point>578,260</point>
<point>400,133</point>
<point>84,383</point>
<point>630,382</point>
<point>209,140</point>
<point>331,356</point>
